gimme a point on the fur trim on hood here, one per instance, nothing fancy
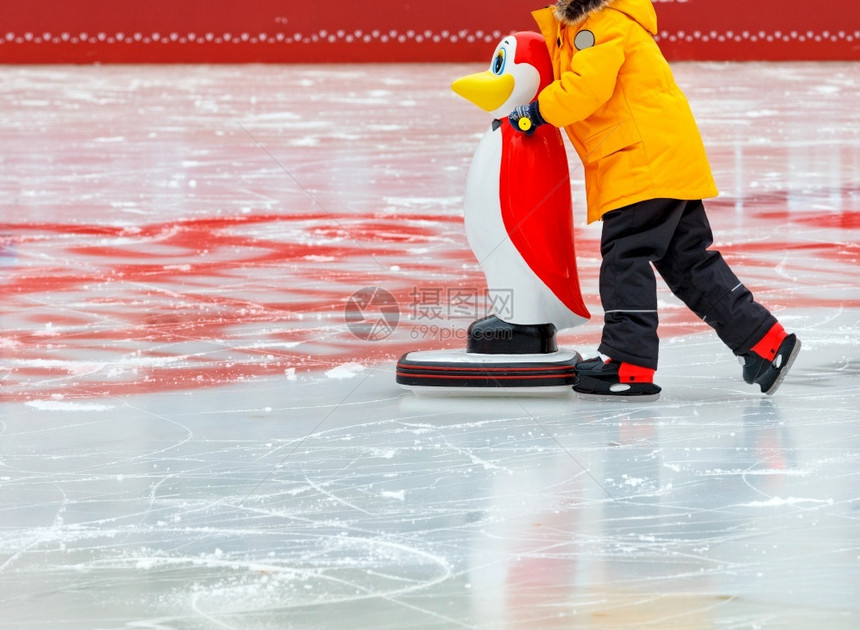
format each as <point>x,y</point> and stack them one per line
<point>573,11</point>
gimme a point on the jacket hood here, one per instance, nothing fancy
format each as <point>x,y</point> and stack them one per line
<point>574,11</point>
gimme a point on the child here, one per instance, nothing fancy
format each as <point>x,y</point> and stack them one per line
<point>646,173</point>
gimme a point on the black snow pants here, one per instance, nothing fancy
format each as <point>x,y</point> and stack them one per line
<point>675,236</point>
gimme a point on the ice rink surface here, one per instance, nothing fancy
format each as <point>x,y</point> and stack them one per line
<point>192,437</point>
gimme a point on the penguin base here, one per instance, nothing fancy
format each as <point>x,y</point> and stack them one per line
<point>460,373</point>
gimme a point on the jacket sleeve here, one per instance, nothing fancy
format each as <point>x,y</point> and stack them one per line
<point>590,80</point>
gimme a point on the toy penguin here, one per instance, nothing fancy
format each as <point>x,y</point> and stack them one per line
<point>519,223</point>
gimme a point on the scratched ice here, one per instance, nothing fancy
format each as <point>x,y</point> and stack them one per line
<point>191,437</point>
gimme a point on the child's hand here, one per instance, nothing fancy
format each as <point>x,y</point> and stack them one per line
<point>526,118</point>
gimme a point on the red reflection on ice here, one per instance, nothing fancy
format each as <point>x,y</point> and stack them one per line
<point>105,311</point>
<point>95,310</point>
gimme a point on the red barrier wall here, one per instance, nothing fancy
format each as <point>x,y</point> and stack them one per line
<point>85,31</point>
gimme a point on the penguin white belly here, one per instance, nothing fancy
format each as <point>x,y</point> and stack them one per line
<point>517,294</point>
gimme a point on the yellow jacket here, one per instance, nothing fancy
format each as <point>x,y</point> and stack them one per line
<point>617,99</point>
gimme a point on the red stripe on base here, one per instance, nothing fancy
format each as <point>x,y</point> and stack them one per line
<point>488,377</point>
<point>548,368</point>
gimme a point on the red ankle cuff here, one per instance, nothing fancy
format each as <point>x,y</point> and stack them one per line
<point>769,344</point>
<point>629,373</point>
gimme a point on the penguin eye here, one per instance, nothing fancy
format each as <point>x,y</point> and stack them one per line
<point>499,62</point>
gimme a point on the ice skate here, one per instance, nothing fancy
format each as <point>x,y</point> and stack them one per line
<point>769,374</point>
<point>597,379</point>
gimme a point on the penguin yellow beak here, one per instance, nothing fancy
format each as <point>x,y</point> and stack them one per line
<point>487,90</point>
